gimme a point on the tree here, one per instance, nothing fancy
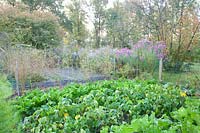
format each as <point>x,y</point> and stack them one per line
<point>165,20</point>
<point>98,7</point>
<point>77,16</point>
<point>121,25</point>
<point>11,2</point>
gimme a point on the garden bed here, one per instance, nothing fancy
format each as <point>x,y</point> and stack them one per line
<point>103,106</point>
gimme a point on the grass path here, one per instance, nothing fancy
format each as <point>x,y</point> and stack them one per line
<point>8,117</point>
<point>192,77</point>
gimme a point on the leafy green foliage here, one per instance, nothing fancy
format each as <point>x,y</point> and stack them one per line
<point>39,30</point>
<point>120,25</point>
<point>186,119</point>
<point>89,107</point>
<point>8,116</point>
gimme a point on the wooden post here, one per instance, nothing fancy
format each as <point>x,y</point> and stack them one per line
<point>160,69</point>
<point>114,65</point>
<point>17,79</point>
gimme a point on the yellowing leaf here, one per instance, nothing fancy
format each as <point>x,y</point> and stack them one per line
<point>66,114</point>
<point>183,94</point>
<point>77,117</point>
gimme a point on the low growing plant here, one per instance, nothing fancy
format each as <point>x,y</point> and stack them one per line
<point>92,106</point>
<point>186,119</point>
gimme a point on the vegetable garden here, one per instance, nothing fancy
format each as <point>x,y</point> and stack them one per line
<point>110,106</point>
<point>99,66</point>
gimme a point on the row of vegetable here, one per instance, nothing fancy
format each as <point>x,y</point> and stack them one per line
<point>109,106</point>
<point>184,120</point>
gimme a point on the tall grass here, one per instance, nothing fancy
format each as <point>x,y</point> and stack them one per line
<point>24,63</point>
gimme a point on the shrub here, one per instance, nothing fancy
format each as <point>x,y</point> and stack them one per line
<point>35,78</point>
<point>99,61</point>
<point>126,71</point>
<point>38,29</point>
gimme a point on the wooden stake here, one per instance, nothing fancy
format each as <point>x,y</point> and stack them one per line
<point>16,78</point>
<point>160,69</point>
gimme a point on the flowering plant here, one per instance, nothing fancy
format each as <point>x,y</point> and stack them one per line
<point>158,48</point>
<point>143,55</point>
<point>124,52</point>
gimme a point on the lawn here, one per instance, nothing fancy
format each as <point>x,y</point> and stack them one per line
<point>190,79</point>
